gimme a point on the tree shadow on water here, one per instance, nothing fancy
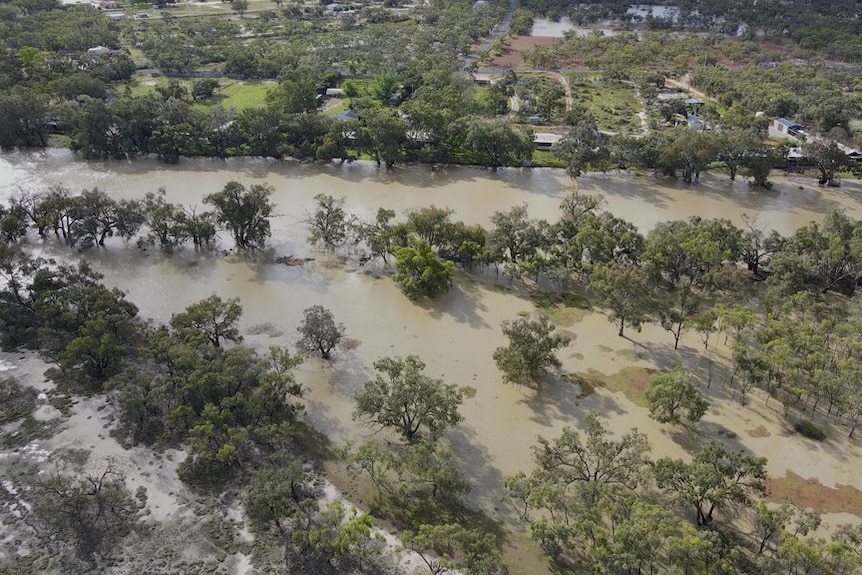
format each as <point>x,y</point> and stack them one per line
<point>557,398</point>
<point>462,303</point>
<point>486,480</point>
<point>693,437</point>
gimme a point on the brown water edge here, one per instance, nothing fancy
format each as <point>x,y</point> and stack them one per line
<point>472,192</point>
<point>456,334</point>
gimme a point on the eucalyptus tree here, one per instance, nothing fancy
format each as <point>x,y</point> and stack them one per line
<point>408,401</point>
<point>245,213</point>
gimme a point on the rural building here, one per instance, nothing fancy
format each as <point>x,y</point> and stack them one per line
<point>334,92</point>
<point>784,128</point>
<point>545,142</point>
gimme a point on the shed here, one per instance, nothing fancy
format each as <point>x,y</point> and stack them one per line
<point>787,127</point>
<point>334,92</point>
<point>483,79</point>
<point>546,141</point>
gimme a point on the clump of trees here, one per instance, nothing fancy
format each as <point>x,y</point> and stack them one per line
<point>672,392</point>
<point>531,351</point>
<point>421,272</point>
<point>598,502</point>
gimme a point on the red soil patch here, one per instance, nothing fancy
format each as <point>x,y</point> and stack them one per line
<point>811,493</point>
<point>515,53</point>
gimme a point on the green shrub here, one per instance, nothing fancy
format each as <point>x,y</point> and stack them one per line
<point>810,430</point>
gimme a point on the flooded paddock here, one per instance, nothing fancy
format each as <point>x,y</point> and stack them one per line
<point>457,333</point>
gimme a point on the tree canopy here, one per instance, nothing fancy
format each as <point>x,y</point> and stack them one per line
<point>410,402</point>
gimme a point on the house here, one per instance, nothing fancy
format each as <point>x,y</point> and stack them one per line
<point>347,116</point>
<point>784,128</point>
<point>545,142</point>
<point>334,92</point>
<point>534,120</point>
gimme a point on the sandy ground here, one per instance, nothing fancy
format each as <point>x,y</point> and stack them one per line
<point>89,428</point>
<point>456,334</point>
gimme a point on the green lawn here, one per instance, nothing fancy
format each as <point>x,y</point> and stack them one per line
<point>542,159</point>
<point>613,104</point>
<point>232,93</point>
<point>343,105</point>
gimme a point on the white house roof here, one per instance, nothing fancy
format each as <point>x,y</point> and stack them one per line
<point>547,139</point>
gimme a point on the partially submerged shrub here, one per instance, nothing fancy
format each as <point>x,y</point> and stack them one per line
<point>810,430</point>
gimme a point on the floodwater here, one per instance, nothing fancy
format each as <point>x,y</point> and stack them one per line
<point>545,27</point>
<point>456,334</point>
<point>654,10</point>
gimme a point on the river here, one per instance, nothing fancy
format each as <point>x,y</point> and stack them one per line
<point>455,335</point>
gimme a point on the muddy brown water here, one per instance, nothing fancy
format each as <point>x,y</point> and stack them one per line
<point>457,334</point>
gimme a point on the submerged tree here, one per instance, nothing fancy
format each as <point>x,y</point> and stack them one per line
<point>403,398</point>
<point>672,392</point>
<point>245,213</point>
<point>531,350</point>
<point>594,457</point>
<point>329,224</point>
<point>626,291</point>
<point>827,156</point>
<point>421,272</point>
<point>320,334</point>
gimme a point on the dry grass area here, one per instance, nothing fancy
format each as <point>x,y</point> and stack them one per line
<point>759,431</point>
<point>811,493</point>
<point>631,381</point>
<point>514,54</point>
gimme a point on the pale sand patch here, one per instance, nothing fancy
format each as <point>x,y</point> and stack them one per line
<point>27,367</point>
<point>89,428</point>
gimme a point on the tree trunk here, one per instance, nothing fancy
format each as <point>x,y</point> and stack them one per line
<point>709,373</point>
<point>622,327</point>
